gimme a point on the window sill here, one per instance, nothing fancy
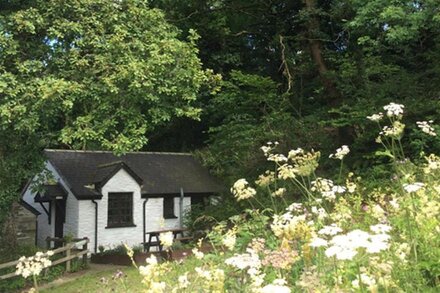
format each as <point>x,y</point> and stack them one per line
<point>170,217</point>
<point>120,226</point>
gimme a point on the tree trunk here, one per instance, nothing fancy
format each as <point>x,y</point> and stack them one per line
<point>316,52</point>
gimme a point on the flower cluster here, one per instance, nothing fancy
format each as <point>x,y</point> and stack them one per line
<point>304,163</point>
<point>326,188</point>
<point>230,238</point>
<point>152,275</point>
<point>414,187</point>
<point>426,127</point>
<point>33,265</point>
<point>241,190</point>
<point>265,179</point>
<point>166,239</point>
<point>345,246</point>
<point>340,153</point>
<point>394,131</point>
<point>375,117</point>
<point>394,110</point>
<point>283,258</point>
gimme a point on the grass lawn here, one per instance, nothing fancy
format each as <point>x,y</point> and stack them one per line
<point>102,281</point>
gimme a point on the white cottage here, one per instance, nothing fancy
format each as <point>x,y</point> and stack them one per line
<point>113,200</point>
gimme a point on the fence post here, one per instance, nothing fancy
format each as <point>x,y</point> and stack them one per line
<point>84,248</point>
<point>69,247</point>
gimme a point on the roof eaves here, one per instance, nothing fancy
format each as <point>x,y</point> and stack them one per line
<point>29,207</point>
<point>121,165</point>
<point>62,177</point>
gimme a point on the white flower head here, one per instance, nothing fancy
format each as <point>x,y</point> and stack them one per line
<point>197,253</point>
<point>376,117</point>
<point>380,228</point>
<point>340,152</point>
<point>166,239</point>
<point>413,187</point>
<point>278,286</point>
<point>318,242</point>
<point>394,110</point>
<point>279,192</point>
<point>241,190</point>
<point>426,127</point>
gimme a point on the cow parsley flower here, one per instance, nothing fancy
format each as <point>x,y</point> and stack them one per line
<point>413,187</point>
<point>286,171</point>
<point>364,279</point>
<point>279,192</point>
<point>318,242</point>
<point>245,260</point>
<point>241,190</point>
<point>426,127</point>
<point>331,230</point>
<point>33,265</point>
<point>340,153</point>
<point>376,117</point>
<point>394,131</point>
<point>230,239</point>
<point>266,178</point>
<point>166,239</point>
<point>183,281</point>
<point>197,253</point>
<point>278,285</point>
<point>394,110</point>
<point>380,228</point>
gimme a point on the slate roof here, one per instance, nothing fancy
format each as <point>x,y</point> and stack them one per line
<point>158,173</point>
<point>50,192</point>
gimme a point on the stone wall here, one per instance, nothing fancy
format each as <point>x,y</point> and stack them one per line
<point>25,225</point>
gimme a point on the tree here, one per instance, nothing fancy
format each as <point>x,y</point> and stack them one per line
<point>89,74</point>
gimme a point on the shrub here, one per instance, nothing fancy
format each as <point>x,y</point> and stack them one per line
<point>343,235</point>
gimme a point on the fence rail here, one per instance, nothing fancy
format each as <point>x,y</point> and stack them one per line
<point>70,251</point>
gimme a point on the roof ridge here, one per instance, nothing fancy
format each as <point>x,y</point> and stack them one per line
<point>110,152</point>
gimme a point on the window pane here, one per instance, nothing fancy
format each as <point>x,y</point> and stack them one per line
<point>120,209</point>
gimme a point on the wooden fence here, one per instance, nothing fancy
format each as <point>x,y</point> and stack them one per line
<point>70,251</point>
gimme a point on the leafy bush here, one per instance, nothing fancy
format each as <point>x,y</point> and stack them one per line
<point>345,234</point>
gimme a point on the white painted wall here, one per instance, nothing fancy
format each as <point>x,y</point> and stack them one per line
<point>80,214</point>
<point>110,237</point>
<point>44,229</point>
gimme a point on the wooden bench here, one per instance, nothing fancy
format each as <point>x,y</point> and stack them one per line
<point>156,234</point>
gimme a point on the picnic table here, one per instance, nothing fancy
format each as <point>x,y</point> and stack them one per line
<point>156,234</point>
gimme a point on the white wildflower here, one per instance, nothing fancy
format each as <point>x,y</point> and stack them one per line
<point>376,117</point>
<point>245,260</point>
<point>364,279</point>
<point>278,286</point>
<point>394,110</point>
<point>279,192</point>
<point>318,242</point>
<point>197,253</point>
<point>183,281</point>
<point>241,190</point>
<point>331,230</point>
<point>277,158</point>
<point>426,127</point>
<point>286,171</point>
<point>230,239</point>
<point>380,228</point>
<point>394,131</point>
<point>340,153</point>
<point>413,187</point>
<point>166,239</point>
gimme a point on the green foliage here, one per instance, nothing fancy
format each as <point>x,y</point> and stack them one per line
<point>89,74</point>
